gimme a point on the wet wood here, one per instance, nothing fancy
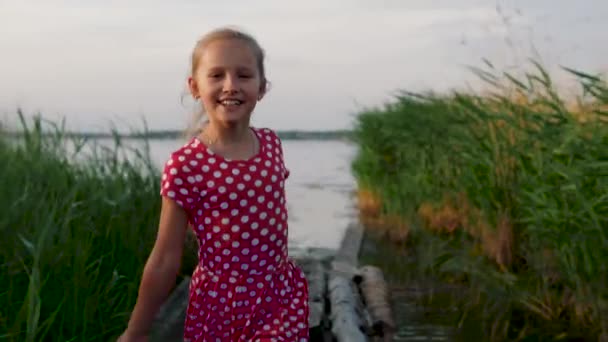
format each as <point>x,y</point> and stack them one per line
<point>376,297</point>
<point>169,323</point>
<point>348,253</point>
<point>347,324</point>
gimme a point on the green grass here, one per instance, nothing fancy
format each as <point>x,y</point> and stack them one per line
<point>519,151</point>
<point>75,235</point>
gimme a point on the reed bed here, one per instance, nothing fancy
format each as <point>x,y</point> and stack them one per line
<point>505,193</point>
<point>78,221</point>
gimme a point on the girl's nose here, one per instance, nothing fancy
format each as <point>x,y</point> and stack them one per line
<point>230,83</point>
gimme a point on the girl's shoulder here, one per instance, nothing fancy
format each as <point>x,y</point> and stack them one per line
<point>179,173</point>
<point>268,135</point>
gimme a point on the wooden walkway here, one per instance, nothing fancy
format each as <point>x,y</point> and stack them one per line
<point>348,303</point>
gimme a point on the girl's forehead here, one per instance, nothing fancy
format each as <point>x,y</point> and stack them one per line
<point>228,51</point>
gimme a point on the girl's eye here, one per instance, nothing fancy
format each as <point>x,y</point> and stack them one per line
<point>245,76</point>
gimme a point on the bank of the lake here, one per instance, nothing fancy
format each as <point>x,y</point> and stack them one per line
<point>78,220</point>
<point>496,202</point>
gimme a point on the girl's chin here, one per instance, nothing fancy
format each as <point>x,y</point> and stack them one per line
<point>232,116</point>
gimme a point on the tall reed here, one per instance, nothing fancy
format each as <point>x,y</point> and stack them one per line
<point>516,177</point>
<point>77,224</point>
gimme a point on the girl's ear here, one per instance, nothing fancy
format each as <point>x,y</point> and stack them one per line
<point>263,90</point>
<point>193,86</point>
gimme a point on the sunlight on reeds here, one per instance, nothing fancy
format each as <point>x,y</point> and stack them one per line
<point>517,175</point>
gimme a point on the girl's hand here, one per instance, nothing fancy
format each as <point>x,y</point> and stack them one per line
<point>130,337</point>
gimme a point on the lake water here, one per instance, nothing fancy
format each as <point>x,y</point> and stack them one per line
<point>319,189</point>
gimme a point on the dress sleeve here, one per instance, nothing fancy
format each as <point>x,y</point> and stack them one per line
<point>177,181</point>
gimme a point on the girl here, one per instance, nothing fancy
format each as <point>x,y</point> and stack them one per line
<point>228,184</point>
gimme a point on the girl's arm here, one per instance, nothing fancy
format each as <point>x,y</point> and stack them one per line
<point>161,268</point>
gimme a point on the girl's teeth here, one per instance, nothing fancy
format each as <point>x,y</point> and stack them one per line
<point>231,102</point>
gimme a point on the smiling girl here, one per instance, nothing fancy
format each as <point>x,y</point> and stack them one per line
<point>227,183</point>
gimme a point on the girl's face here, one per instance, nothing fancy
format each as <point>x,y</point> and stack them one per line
<point>227,81</point>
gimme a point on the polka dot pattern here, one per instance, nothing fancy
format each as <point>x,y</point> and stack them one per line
<point>245,288</point>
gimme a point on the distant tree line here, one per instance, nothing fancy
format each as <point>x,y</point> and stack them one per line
<point>176,134</point>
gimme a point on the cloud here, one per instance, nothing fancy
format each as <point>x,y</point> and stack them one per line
<point>89,59</point>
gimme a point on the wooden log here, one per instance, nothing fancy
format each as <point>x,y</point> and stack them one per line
<point>347,325</point>
<point>376,297</point>
<point>350,245</point>
<point>169,323</point>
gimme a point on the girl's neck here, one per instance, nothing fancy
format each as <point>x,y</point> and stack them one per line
<point>225,135</point>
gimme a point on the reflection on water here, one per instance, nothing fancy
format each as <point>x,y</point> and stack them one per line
<point>318,192</point>
<point>319,188</point>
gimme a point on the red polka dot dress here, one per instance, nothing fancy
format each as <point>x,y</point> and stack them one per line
<point>245,288</point>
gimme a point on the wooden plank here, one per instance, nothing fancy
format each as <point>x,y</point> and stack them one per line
<point>347,325</point>
<point>348,253</point>
<point>376,297</point>
<point>169,323</point>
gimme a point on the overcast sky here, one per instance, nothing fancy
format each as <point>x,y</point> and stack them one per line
<point>96,61</point>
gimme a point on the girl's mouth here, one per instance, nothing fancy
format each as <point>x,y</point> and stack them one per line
<point>230,102</point>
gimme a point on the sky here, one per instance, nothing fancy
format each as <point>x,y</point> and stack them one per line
<point>102,63</point>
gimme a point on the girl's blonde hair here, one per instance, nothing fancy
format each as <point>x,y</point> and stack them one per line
<point>224,33</point>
